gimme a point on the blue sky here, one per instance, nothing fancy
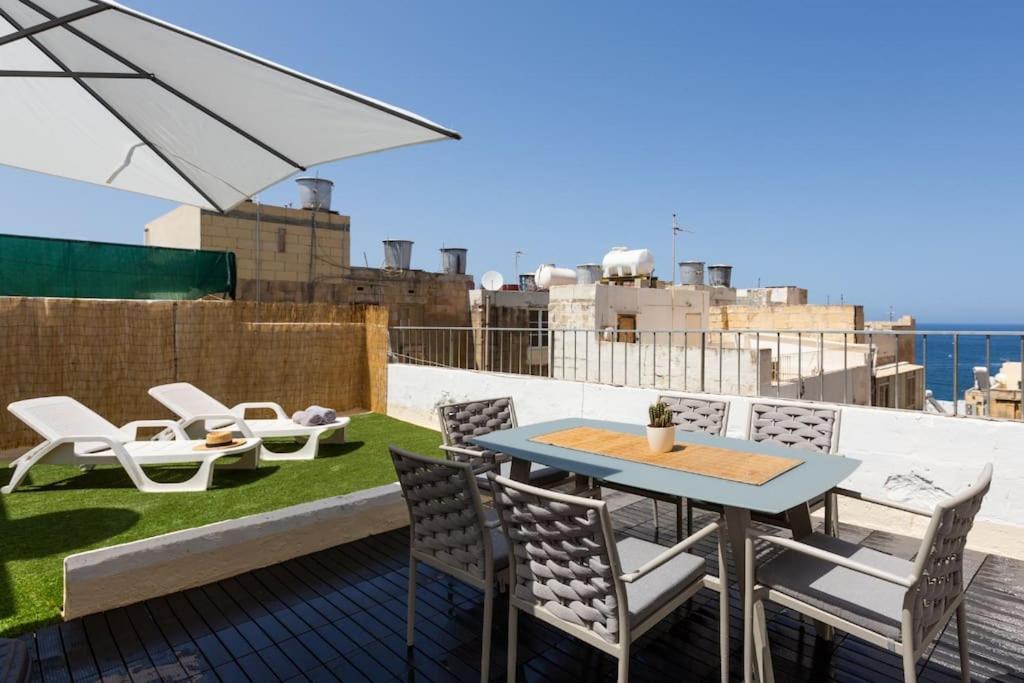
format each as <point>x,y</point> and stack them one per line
<point>866,149</point>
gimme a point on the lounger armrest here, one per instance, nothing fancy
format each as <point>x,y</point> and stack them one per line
<point>839,560</point>
<point>857,495</point>
<point>238,422</point>
<point>132,428</point>
<point>240,409</point>
<point>683,546</point>
<point>115,446</point>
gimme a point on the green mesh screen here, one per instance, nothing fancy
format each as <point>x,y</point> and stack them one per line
<point>39,266</point>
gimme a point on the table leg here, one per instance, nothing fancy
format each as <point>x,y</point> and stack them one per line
<point>799,519</point>
<point>737,520</point>
<point>520,470</point>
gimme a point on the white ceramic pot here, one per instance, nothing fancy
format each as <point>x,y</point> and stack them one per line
<point>661,439</point>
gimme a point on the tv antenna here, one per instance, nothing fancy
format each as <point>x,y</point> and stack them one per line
<point>675,231</point>
<point>517,253</point>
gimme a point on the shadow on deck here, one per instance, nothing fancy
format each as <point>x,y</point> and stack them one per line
<point>340,615</point>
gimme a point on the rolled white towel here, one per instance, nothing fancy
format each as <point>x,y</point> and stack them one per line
<point>307,419</point>
<point>326,414</point>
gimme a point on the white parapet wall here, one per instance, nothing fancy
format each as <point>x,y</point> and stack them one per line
<point>910,457</point>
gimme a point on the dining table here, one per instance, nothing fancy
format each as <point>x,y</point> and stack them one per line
<point>808,475</point>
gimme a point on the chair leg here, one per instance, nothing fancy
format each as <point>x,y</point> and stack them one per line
<point>623,676</point>
<point>410,617</point>
<point>654,500</point>
<point>485,656</point>
<point>961,634</point>
<point>909,665</point>
<point>748,612</point>
<point>513,639</point>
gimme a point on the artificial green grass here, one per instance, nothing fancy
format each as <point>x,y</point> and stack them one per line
<point>60,510</point>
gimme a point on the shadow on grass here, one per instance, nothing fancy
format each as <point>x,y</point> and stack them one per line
<point>55,533</point>
<point>113,477</point>
<point>327,450</point>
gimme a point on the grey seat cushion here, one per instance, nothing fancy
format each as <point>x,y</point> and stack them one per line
<point>499,545</point>
<point>864,600</point>
<point>650,592</point>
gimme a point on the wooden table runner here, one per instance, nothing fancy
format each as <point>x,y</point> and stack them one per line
<point>721,463</point>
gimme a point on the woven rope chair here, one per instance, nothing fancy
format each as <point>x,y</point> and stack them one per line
<point>809,427</point>
<point>900,605</point>
<point>462,421</point>
<point>689,414</point>
<point>568,570</point>
<point>449,531</point>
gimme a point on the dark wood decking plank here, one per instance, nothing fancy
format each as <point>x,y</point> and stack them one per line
<point>53,665</point>
<point>81,664</point>
<point>104,650</point>
<point>255,610</point>
<point>209,645</point>
<point>237,617</point>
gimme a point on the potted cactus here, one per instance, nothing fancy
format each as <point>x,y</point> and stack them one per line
<point>661,432</point>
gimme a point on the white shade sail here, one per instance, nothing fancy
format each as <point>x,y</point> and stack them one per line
<point>101,93</point>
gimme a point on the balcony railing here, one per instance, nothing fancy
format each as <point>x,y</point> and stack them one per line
<point>918,370</point>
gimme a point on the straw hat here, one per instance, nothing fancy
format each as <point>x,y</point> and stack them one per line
<point>218,440</point>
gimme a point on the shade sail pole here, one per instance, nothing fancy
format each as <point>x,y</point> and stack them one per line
<point>54,22</point>
<point>167,86</point>
<point>113,112</point>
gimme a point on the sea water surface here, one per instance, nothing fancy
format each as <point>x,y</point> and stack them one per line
<point>972,352</point>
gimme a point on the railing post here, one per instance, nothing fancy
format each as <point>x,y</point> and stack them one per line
<point>703,359</point>
<point>956,373</point>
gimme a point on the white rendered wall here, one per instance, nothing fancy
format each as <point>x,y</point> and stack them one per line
<point>909,457</point>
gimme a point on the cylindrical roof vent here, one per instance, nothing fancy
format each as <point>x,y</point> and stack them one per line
<point>720,275</point>
<point>588,273</point>
<point>315,193</point>
<point>397,254</point>
<point>691,272</point>
<point>453,261</point>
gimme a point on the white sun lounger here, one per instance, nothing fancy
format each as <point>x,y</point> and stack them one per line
<point>200,412</point>
<point>76,435</point>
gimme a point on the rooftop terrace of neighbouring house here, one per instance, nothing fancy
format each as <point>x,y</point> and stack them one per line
<point>299,569</point>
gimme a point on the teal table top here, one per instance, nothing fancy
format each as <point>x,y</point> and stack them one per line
<point>818,473</point>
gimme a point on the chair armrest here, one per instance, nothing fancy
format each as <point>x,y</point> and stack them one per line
<point>240,409</point>
<point>132,428</point>
<point>839,560</point>
<point>857,495</point>
<point>238,422</point>
<point>685,544</point>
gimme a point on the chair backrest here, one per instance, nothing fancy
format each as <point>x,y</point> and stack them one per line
<point>693,414</point>
<point>939,565</point>
<point>446,516</point>
<point>460,421</point>
<point>811,427</point>
<point>56,417</point>
<point>186,401</point>
<point>563,557</point>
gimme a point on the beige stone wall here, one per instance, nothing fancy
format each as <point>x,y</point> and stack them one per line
<point>188,227</point>
<point>108,353</point>
<point>810,317</point>
<point>890,346</point>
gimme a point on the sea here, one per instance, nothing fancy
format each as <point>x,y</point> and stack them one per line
<point>971,353</point>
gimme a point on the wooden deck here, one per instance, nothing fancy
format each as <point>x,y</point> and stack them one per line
<point>340,615</point>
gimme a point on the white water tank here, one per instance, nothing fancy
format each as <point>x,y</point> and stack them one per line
<point>549,275</point>
<point>315,193</point>
<point>626,262</point>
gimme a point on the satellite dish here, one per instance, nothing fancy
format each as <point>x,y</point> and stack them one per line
<point>492,280</point>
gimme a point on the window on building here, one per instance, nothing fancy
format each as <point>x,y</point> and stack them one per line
<point>538,324</point>
<point>625,323</point>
